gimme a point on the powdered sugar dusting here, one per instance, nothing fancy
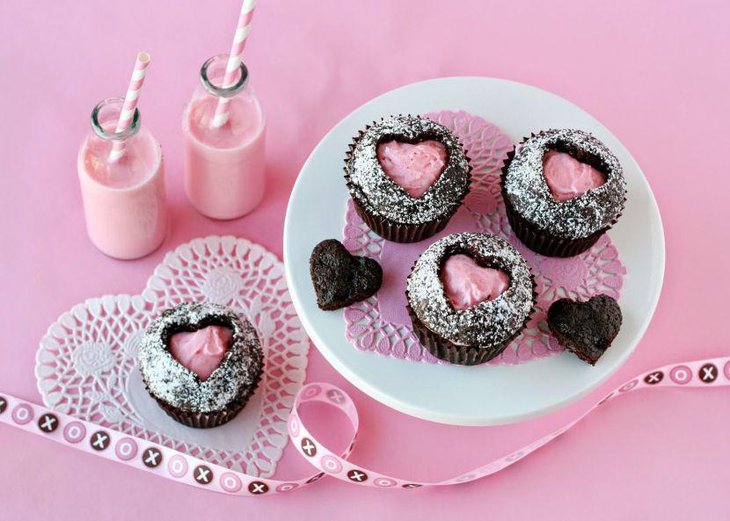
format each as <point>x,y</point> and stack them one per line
<point>380,195</point>
<point>490,322</point>
<point>525,186</point>
<point>168,380</point>
<point>381,323</point>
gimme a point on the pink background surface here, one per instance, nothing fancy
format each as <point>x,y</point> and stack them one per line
<point>656,74</point>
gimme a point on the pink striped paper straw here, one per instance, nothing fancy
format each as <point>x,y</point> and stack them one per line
<point>234,59</point>
<point>130,103</point>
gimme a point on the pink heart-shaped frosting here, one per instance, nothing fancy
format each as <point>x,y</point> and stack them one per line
<point>567,177</point>
<point>201,351</point>
<point>413,166</point>
<point>466,283</point>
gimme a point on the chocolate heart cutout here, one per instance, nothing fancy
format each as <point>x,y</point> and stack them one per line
<point>340,278</point>
<point>585,328</point>
<point>413,166</point>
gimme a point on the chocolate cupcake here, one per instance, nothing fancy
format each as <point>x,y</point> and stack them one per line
<point>469,295</point>
<point>407,177</point>
<point>201,362</point>
<point>562,190</point>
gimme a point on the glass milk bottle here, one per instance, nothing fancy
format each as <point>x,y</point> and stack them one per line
<point>124,199</point>
<point>224,166</point>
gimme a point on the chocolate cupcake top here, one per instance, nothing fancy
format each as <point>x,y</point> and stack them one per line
<point>525,187</point>
<point>168,380</point>
<point>488,323</point>
<point>382,196</point>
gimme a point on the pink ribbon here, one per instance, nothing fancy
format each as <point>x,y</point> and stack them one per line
<point>177,466</point>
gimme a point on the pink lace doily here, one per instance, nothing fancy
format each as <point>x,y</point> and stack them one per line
<point>86,364</point>
<point>381,324</point>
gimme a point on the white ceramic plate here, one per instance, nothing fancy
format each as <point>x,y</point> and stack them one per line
<point>486,394</point>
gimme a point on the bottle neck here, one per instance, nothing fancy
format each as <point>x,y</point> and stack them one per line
<point>217,81</point>
<point>104,120</point>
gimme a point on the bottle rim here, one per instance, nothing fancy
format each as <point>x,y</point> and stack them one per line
<point>98,127</point>
<point>217,90</point>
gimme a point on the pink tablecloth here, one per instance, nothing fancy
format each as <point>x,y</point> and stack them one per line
<point>655,74</point>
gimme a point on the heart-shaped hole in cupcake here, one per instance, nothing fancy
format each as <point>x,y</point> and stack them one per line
<point>467,283</point>
<point>201,350</point>
<point>412,166</point>
<point>571,173</point>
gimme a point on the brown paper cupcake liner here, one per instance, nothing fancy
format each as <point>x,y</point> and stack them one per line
<point>205,420</point>
<point>396,232</point>
<point>454,353</point>
<point>540,241</point>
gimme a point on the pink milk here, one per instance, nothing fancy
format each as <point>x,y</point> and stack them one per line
<point>124,201</point>
<point>224,167</point>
